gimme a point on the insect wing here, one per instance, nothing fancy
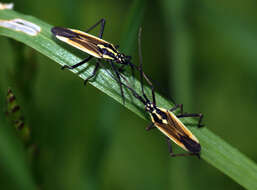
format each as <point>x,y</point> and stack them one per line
<point>78,39</point>
<point>174,129</point>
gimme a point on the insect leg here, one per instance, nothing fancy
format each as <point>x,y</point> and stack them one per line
<point>93,74</point>
<point>151,126</point>
<point>176,107</point>
<point>174,155</point>
<point>119,81</point>
<point>199,115</point>
<point>102,22</point>
<point>78,64</point>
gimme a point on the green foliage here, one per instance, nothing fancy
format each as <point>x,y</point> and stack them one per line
<point>214,150</point>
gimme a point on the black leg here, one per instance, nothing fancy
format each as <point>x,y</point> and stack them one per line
<point>176,107</point>
<point>151,126</point>
<point>199,115</point>
<point>102,22</point>
<point>78,64</point>
<point>93,74</point>
<point>174,155</point>
<point>119,81</point>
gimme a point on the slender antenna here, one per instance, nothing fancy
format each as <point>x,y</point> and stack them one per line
<point>140,68</point>
<point>140,60</point>
<point>135,93</point>
<point>120,82</point>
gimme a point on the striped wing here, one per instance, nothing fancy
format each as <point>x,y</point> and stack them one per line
<point>175,130</point>
<point>80,40</point>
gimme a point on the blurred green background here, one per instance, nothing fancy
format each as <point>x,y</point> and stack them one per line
<point>202,54</point>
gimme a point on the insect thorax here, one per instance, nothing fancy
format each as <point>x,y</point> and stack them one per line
<point>122,58</point>
<point>110,52</point>
<point>158,115</point>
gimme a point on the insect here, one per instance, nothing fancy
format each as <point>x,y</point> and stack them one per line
<point>95,47</point>
<point>166,121</point>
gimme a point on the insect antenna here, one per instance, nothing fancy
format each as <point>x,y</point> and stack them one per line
<point>142,74</point>
<point>135,94</point>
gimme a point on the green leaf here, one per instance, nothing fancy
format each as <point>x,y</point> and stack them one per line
<point>214,150</point>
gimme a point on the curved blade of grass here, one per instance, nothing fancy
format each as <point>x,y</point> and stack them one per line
<point>214,150</point>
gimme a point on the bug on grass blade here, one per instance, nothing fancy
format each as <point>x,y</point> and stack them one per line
<point>165,120</point>
<point>95,47</point>
<point>170,125</point>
